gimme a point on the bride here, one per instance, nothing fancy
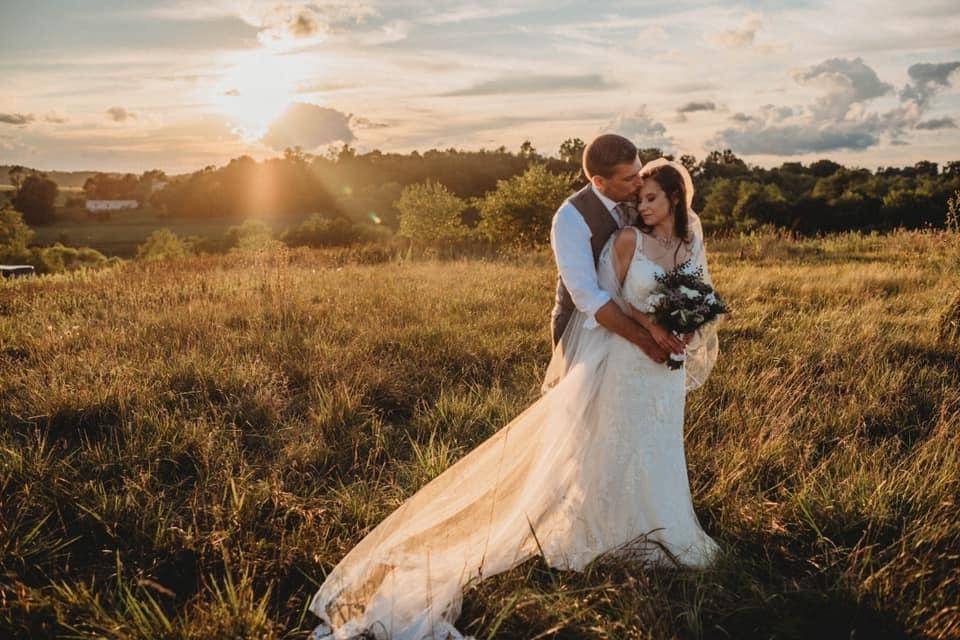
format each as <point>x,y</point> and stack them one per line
<point>595,467</point>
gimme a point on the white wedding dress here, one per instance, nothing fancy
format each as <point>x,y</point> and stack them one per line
<point>594,467</point>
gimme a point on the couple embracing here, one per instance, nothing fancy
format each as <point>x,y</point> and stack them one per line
<point>595,468</point>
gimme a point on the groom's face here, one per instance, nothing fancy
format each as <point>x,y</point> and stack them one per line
<point>623,184</point>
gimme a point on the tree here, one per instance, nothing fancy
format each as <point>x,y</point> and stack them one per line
<point>720,201</point>
<point>16,174</point>
<point>35,199</point>
<point>252,235</point>
<point>431,214</point>
<point>527,151</point>
<point>15,235</point>
<point>322,231</point>
<point>571,151</point>
<point>952,169</point>
<point>520,210</point>
<point>652,153</point>
<point>723,164</point>
<point>161,245</point>
<point>690,164</point>
<point>824,168</point>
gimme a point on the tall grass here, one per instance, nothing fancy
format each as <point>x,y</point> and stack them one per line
<point>186,448</point>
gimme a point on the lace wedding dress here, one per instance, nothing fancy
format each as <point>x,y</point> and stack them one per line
<point>595,467</point>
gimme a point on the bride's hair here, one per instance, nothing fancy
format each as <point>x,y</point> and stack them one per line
<point>671,182</point>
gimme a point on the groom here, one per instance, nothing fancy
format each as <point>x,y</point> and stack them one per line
<point>580,228</point>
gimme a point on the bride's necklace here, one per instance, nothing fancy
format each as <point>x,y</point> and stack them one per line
<point>666,242</point>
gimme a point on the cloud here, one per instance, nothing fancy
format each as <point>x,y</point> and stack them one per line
<point>838,120</point>
<point>17,118</point>
<point>366,123</point>
<point>760,138</point>
<point>323,87</point>
<point>536,84</point>
<point>287,26</point>
<point>775,113</point>
<point>53,118</point>
<point>846,82</point>
<point>927,80</point>
<point>937,123</point>
<point>641,128</point>
<point>743,36</point>
<point>690,107</point>
<point>470,13</point>
<point>120,114</point>
<point>308,126</point>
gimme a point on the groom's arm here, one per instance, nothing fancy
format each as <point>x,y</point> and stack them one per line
<point>611,317</point>
<point>570,240</point>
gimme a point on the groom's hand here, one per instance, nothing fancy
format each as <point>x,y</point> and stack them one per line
<point>611,317</point>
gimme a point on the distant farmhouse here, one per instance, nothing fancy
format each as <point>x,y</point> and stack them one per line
<point>111,205</point>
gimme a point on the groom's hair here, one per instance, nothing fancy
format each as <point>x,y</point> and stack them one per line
<point>605,152</point>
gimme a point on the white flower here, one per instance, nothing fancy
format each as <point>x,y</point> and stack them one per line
<point>652,301</point>
<point>690,293</point>
<point>710,298</point>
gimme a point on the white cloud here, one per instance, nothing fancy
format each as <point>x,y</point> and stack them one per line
<point>521,83</point>
<point>846,82</point>
<point>742,36</point>
<point>641,128</point>
<point>839,119</point>
<point>308,126</point>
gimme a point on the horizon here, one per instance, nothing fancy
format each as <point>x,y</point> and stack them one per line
<point>178,86</point>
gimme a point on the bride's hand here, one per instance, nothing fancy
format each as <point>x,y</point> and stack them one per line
<point>666,339</point>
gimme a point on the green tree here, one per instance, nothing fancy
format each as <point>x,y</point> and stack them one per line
<point>720,201</point>
<point>15,235</point>
<point>571,151</point>
<point>520,210</point>
<point>161,245</point>
<point>252,235</point>
<point>35,199</point>
<point>322,231</point>
<point>756,203</point>
<point>430,213</point>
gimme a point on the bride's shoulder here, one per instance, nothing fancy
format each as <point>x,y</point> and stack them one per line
<point>625,242</point>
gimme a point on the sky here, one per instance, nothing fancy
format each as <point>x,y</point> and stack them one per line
<point>123,85</point>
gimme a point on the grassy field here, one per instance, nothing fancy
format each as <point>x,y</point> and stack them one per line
<point>126,230</point>
<point>187,448</point>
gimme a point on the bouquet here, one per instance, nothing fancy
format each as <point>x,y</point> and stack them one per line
<point>683,302</point>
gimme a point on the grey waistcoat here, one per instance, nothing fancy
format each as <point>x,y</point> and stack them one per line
<point>602,226</point>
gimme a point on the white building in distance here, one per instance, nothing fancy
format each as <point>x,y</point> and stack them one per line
<point>111,205</point>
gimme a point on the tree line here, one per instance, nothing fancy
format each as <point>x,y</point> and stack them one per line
<point>497,194</point>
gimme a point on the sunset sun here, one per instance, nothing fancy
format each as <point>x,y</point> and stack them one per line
<point>255,90</point>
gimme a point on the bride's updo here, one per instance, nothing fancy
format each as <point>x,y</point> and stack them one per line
<point>672,184</point>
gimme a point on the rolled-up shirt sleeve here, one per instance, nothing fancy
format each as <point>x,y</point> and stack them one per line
<point>570,240</point>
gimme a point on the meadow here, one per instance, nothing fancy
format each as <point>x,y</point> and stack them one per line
<point>187,447</point>
<point>124,231</point>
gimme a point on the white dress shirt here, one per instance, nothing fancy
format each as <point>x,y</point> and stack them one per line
<point>570,240</point>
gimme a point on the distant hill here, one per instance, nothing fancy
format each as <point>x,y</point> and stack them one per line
<point>63,179</point>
